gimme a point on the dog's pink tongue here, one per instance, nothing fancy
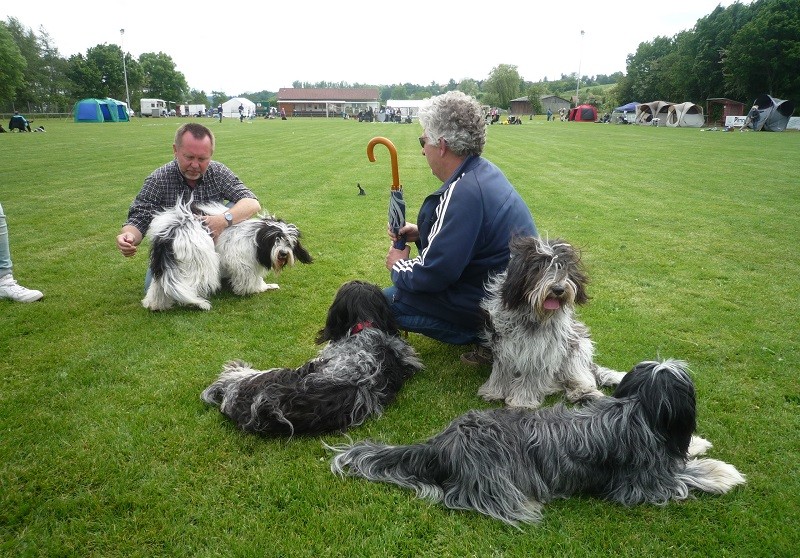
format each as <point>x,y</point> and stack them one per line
<point>552,304</point>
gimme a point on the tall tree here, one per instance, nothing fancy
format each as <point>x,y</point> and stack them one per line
<point>196,97</point>
<point>646,69</point>
<point>101,74</point>
<point>12,68</point>
<point>708,42</point>
<point>535,93</point>
<point>470,87</point>
<point>218,97</point>
<point>502,85</point>
<point>28,46</point>
<point>51,86</point>
<point>764,55</point>
<point>162,80</point>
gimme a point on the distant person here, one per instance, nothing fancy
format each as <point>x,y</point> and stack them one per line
<point>219,112</point>
<point>752,119</point>
<point>19,122</point>
<point>549,114</point>
<point>190,173</point>
<point>9,288</point>
<point>462,233</point>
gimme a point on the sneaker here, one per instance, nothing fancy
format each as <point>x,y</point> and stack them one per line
<point>9,288</point>
<point>480,356</point>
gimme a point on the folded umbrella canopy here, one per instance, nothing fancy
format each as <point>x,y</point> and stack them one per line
<point>397,205</point>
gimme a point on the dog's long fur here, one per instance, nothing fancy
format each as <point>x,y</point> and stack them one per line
<point>359,372</point>
<point>183,261</point>
<point>188,267</point>
<point>635,447</point>
<point>248,250</point>
<point>538,345</point>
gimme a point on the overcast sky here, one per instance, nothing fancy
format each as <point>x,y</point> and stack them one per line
<point>249,47</point>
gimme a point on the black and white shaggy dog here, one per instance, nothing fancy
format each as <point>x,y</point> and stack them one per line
<point>188,267</point>
<point>248,250</point>
<point>183,262</point>
<point>356,375</point>
<point>538,345</point>
<point>633,448</point>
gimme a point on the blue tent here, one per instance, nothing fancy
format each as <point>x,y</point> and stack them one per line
<point>121,110</point>
<point>100,110</point>
<point>630,107</point>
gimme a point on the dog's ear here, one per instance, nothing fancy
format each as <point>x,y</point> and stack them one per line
<point>337,323</point>
<point>570,258</point>
<point>265,240</point>
<point>302,254</point>
<point>522,270</point>
<point>666,396</point>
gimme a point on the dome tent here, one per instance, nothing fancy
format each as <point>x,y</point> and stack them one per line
<point>646,113</point>
<point>686,115</point>
<point>100,110</point>
<point>582,113</point>
<point>230,108</point>
<point>774,113</point>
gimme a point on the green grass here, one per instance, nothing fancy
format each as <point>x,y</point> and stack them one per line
<point>690,241</point>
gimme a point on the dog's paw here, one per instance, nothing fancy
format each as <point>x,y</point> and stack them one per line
<point>522,402</point>
<point>698,446</point>
<point>607,377</point>
<point>488,393</point>
<point>580,397</point>
<point>270,287</point>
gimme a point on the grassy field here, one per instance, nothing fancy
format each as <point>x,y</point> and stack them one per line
<point>689,238</point>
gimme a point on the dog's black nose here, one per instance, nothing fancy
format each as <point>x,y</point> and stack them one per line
<point>557,290</point>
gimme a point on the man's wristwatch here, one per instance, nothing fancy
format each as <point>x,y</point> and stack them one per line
<point>228,219</point>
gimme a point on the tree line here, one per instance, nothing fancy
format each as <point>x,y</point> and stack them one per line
<point>738,52</point>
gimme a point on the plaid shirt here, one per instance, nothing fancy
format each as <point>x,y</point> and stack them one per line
<point>166,185</point>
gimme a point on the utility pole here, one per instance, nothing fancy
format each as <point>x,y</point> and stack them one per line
<point>125,71</point>
<point>578,85</point>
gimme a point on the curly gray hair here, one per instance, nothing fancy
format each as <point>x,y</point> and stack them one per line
<point>458,118</point>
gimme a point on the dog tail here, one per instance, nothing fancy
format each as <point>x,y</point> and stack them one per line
<point>441,471</point>
<point>711,475</point>
<point>412,467</point>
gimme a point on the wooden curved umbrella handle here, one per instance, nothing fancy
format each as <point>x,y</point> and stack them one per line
<point>392,151</point>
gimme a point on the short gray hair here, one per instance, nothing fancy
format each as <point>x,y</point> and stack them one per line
<point>458,118</point>
<point>198,131</point>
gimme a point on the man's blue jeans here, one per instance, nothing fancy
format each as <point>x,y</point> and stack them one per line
<point>410,319</point>
<point>5,252</point>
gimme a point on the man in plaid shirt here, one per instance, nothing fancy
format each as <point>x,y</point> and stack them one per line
<point>190,173</point>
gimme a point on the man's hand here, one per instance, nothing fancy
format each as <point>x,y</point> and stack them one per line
<point>215,224</point>
<point>127,242</point>
<point>409,232</point>
<point>396,255</point>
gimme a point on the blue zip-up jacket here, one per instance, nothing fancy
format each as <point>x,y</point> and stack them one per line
<point>464,230</point>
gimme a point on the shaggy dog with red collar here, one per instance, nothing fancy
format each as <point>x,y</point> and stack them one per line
<point>361,369</point>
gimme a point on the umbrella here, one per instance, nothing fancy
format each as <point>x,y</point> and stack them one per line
<point>397,205</point>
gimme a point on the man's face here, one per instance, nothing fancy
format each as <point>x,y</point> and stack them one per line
<point>193,156</point>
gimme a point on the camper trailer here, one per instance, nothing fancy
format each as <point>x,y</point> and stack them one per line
<point>193,110</point>
<point>154,107</point>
